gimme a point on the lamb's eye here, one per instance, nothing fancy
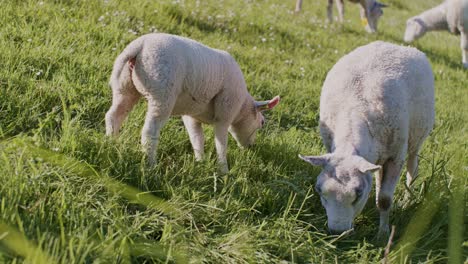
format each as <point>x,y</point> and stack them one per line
<point>358,196</point>
<point>318,189</point>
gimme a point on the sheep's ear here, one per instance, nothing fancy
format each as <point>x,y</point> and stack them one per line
<point>381,5</point>
<point>364,166</point>
<point>316,160</point>
<point>267,105</point>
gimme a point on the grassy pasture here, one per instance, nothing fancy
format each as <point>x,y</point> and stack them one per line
<point>68,194</point>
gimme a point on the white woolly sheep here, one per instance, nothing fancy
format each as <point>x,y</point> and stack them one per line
<point>376,106</point>
<point>370,11</point>
<point>451,15</point>
<point>179,76</point>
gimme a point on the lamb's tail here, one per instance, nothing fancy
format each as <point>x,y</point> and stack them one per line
<point>128,54</point>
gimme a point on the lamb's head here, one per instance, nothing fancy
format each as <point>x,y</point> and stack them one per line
<point>344,186</point>
<point>415,28</point>
<point>244,130</point>
<point>375,12</point>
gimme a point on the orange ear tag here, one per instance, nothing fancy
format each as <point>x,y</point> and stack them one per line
<point>364,22</point>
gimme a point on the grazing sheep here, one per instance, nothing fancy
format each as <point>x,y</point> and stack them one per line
<point>451,15</point>
<point>179,76</point>
<point>370,11</point>
<point>376,106</point>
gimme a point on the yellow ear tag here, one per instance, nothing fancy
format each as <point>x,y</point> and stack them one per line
<point>364,22</point>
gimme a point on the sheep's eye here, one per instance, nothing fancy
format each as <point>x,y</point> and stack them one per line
<point>318,189</point>
<point>358,196</point>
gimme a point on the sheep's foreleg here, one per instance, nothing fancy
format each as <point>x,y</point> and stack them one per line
<point>389,179</point>
<point>195,131</point>
<point>330,11</point>
<point>151,130</point>
<point>340,6</point>
<point>464,47</point>
<point>221,134</point>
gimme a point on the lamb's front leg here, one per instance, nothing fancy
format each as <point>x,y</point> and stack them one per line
<point>364,14</point>
<point>385,191</point>
<point>340,6</point>
<point>221,136</point>
<point>195,131</point>
<point>464,47</point>
<point>330,11</point>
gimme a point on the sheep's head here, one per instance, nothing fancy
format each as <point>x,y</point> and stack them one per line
<point>344,186</point>
<point>415,28</point>
<point>244,131</point>
<point>375,12</point>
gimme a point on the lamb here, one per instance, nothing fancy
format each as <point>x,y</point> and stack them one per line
<point>179,76</point>
<point>370,11</point>
<point>376,106</point>
<point>451,15</point>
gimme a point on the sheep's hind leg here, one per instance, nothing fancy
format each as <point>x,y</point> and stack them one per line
<point>464,47</point>
<point>154,122</point>
<point>122,104</point>
<point>195,131</point>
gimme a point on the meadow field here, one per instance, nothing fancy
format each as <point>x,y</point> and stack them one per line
<point>69,194</point>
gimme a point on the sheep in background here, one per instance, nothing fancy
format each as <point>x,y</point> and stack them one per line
<point>451,15</point>
<point>370,11</point>
<point>376,106</point>
<point>179,76</point>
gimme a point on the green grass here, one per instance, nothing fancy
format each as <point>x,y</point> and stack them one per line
<point>68,194</point>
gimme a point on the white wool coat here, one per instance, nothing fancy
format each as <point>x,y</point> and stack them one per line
<point>199,73</point>
<point>378,102</point>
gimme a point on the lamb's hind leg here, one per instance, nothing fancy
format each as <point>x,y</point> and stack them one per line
<point>195,131</point>
<point>122,103</point>
<point>464,47</point>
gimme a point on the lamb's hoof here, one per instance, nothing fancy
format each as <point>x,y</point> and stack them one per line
<point>199,158</point>
<point>369,29</point>
<point>150,161</point>
<point>223,169</point>
<point>382,236</point>
<point>150,164</point>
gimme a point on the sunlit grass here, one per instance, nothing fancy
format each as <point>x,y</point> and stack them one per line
<point>68,194</point>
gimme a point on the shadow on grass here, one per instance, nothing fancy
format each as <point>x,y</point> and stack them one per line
<point>441,58</point>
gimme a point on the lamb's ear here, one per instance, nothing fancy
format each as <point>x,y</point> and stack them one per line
<point>267,105</point>
<point>316,160</point>
<point>364,166</point>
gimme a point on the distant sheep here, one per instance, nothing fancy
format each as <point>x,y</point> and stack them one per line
<point>179,76</point>
<point>376,106</point>
<point>370,10</point>
<point>451,15</point>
